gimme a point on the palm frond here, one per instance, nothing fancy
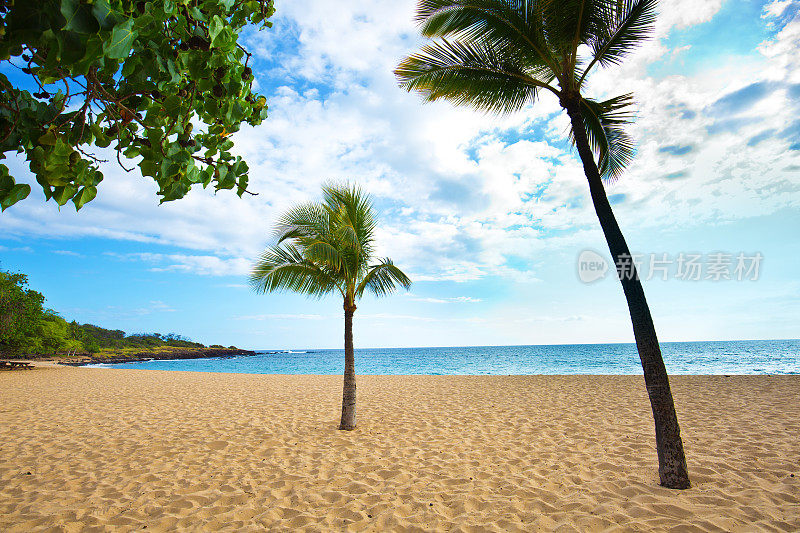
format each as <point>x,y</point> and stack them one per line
<point>468,74</point>
<point>604,123</point>
<point>302,221</point>
<point>383,279</point>
<point>567,24</point>
<point>627,24</point>
<point>497,23</point>
<point>284,268</point>
<point>352,209</point>
<point>324,253</point>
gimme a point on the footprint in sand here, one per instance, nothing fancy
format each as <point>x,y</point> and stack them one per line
<point>218,444</point>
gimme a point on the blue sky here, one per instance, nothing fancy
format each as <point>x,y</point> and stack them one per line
<point>488,215</point>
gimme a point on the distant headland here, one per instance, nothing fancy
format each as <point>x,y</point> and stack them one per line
<point>28,330</point>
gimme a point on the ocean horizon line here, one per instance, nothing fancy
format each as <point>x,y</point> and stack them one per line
<point>306,349</point>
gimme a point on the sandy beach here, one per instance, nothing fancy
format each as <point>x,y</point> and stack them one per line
<point>128,450</point>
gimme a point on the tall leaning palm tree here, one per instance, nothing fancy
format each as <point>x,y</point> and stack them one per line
<point>327,247</point>
<point>496,56</point>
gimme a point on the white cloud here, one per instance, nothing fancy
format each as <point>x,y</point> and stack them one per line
<point>680,14</point>
<point>454,299</point>
<point>781,51</point>
<point>776,8</point>
<point>279,316</point>
<point>117,312</point>
<point>204,265</point>
<point>416,318</point>
<point>16,249</point>
<point>233,286</point>
<point>492,321</point>
<point>159,306</point>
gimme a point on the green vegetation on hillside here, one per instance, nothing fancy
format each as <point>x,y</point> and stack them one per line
<point>28,329</point>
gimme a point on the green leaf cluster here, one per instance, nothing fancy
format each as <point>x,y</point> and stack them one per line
<point>162,82</point>
<point>20,311</point>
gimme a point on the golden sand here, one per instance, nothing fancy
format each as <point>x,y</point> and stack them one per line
<point>121,450</point>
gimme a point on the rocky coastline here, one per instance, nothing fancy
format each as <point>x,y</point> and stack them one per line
<point>188,353</point>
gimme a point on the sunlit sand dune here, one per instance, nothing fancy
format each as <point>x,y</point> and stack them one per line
<point>122,450</point>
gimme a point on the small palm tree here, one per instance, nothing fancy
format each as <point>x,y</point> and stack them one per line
<point>495,56</point>
<point>324,248</point>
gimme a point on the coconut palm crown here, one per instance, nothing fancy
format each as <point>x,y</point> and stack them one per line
<point>328,247</point>
<point>497,56</point>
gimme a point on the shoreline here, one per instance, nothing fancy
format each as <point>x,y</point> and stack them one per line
<point>434,376</point>
<point>90,364</point>
<point>118,448</point>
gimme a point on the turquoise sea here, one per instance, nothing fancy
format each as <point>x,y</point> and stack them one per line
<point>720,357</point>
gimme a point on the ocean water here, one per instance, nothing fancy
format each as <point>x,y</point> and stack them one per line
<point>722,357</point>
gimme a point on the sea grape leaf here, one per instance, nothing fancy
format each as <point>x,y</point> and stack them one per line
<point>86,194</point>
<point>121,42</point>
<point>79,17</point>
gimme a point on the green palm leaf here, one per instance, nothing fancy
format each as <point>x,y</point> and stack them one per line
<point>604,123</point>
<point>496,23</point>
<point>628,23</point>
<point>383,279</point>
<point>468,73</point>
<point>284,268</point>
<point>567,24</point>
<point>306,220</point>
<point>324,253</point>
<point>352,209</point>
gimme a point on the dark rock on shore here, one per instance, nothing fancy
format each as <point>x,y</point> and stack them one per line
<point>189,353</point>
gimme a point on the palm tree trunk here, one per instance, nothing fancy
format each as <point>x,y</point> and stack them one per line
<point>671,459</point>
<point>349,395</point>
